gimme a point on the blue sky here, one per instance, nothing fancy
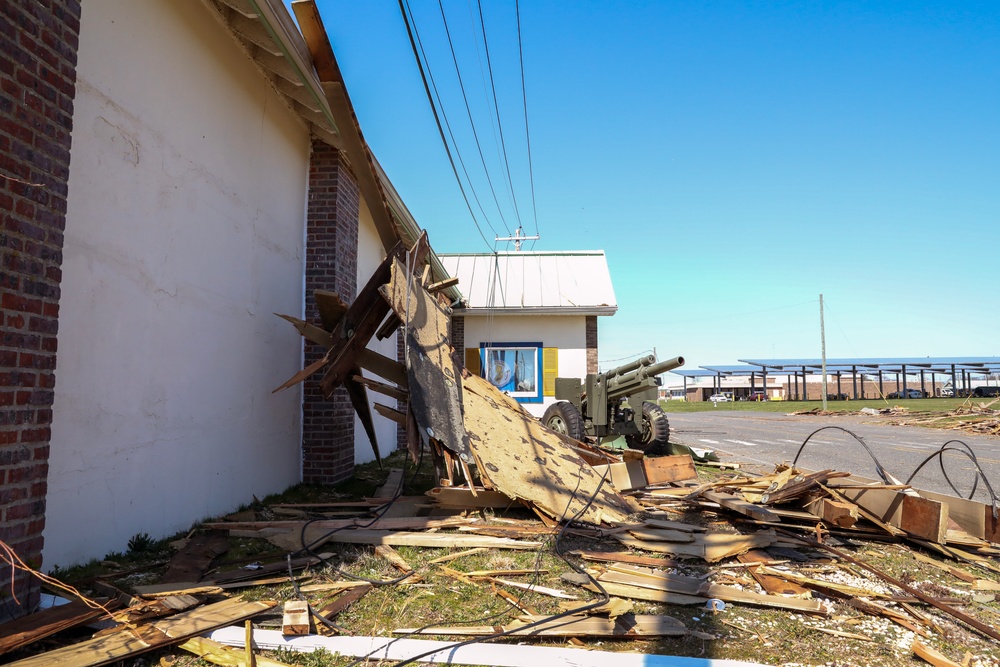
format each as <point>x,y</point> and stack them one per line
<point>733,159</point>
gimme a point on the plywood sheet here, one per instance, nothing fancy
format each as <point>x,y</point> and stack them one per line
<point>527,461</point>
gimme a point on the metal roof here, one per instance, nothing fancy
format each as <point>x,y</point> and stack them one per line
<point>551,283</point>
<point>733,370</point>
<point>912,365</point>
<point>694,373</point>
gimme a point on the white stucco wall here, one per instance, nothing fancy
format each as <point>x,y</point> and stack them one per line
<point>370,255</point>
<point>184,233</point>
<point>568,333</point>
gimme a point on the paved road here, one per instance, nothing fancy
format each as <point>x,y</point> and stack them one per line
<point>767,438</point>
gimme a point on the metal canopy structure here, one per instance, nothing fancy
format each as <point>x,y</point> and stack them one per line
<point>960,369</point>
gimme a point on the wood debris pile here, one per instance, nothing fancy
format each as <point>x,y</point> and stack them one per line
<point>649,534</point>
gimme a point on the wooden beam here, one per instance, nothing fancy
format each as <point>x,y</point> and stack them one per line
<point>381,388</point>
<point>442,285</point>
<point>391,413</point>
<point>383,366</point>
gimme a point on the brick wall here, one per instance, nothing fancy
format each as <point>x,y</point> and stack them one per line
<point>331,264</point>
<point>37,85</point>
<point>592,344</point>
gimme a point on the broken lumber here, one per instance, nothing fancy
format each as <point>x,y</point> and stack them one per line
<point>220,654</point>
<point>173,630</point>
<point>27,629</point>
<point>625,626</point>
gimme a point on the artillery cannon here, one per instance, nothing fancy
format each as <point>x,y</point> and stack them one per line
<point>605,405</point>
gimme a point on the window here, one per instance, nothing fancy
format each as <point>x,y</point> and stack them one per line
<point>514,368</point>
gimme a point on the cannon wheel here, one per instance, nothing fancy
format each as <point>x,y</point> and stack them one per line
<point>655,430</point>
<point>563,417</point>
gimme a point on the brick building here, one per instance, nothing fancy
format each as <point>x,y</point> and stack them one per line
<point>169,173</point>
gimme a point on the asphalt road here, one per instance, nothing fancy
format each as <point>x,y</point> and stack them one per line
<point>768,438</point>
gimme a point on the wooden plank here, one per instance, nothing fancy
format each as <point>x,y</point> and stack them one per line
<point>382,388</point>
<point>663,469</point>
<point>27,629</point>
<point>309,331</point>
<point>124,645</point>
<point>918,517</point>
<point>625,626</point>
<point>635,592</point>
<point>331,308</point>
<point>390,413</point>
<point>624,557</point>
<point>773,585</point>
<point>835,512</point>
<point>442,285</point>
<point>524,460</point>
<point>712,547</point>
<point>195,557</point>
<point>624,475</point>
<point>435,379</point>
<point>383,366</point>
<point>393,484</point>
<point>295,618</point>
<point>330,610</point>
<point>457,496</point>
<point>732,502</point>
<point>732,594</point>
<point>406,539</point>
<point>359,401</point>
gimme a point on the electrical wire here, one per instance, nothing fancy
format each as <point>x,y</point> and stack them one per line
<point>980,474</point>
<point>468,111</point>
<point>885,476</point>
<point>503,143</point>
<point>605,597</point>
<point>527,135</point>
<point>410,30</point>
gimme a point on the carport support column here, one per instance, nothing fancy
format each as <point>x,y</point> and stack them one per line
<point>904,380</point>
<point>331,264</point>
<point>923,383</point>
<point>805,390</point>
<point>881,389</point>
<point>954,382</point>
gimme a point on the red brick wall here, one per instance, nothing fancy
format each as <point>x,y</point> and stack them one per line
<point>592,344</point>
<point>331,264</point>
<point>38,46</point>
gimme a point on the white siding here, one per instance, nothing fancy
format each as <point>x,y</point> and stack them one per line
<point>184,233</point>
<point>568,333</point>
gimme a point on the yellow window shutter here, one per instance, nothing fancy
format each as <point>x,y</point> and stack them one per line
<point>472,360</point>
<point>550,369</point>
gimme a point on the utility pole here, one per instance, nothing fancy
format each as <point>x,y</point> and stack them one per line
<point>518,238</point>
<point>822,340</point>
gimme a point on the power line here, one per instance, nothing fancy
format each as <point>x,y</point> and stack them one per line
<point>503,143</point>
<point>524,98</point>
<point>404,8</point>
<point>468,111</point>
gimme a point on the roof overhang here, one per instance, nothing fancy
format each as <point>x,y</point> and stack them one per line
<point>267,33</point>
<point>553,310</point>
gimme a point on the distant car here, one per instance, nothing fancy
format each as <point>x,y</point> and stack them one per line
<point>719,398</point>
<point>756,396</point>
<point>986,391</point>
<point>907,393</point>
<point>836,397</point>
<point>947,392</point>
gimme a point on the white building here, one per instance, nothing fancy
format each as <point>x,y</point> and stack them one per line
<point>528,317</point>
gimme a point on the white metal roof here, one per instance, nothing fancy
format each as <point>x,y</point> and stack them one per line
<point>550,283</point>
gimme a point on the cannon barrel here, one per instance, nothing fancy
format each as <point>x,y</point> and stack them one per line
<point>633,374</point>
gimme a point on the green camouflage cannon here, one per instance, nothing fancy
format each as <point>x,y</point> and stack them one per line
<point>604,406</point>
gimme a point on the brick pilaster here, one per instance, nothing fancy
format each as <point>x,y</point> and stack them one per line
<point>38,49</point>
<point>591,336</point>
<point>331,264</point>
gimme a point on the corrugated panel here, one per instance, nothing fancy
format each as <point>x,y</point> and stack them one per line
<point>534,280</point>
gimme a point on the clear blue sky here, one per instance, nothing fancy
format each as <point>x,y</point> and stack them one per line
<point>733,159</point>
